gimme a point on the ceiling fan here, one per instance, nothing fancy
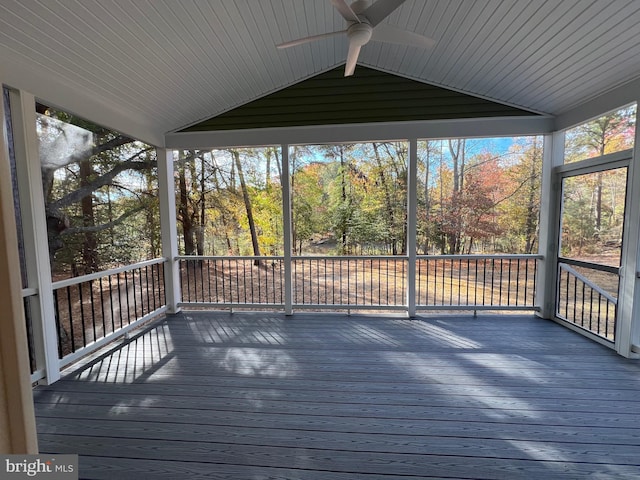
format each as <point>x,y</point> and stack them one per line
<point>364,24</point>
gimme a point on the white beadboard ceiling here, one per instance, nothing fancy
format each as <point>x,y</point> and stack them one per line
<point>166,64</point>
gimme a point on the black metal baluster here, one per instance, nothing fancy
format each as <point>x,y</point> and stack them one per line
<point>208,280</point>
<point>356,281</point>
<point>302,280</point>
<point>599,311</point>
<point>223,282</point>
<point>93,310</point>
<point>517,280</point>
<point>186,274</point>
<point>576,311</point>
<point>508,284</point>
<point>535,274</point>
<point>312,263</point>
<point>58,329</point>
<point>444,281</point>
<point>119,298</point>
<point>237,263</point>
<point>500,287</point>
<point>104,326</point>
<point>146,287</point>
<point>566,307</point>
<point>71,320</point>
<point>113,324</point>
<point>326,295</point>
<point>484,279</point>
<point>84,328</point>
<point>126,288</point>
<point>591,310</point>
<point>493,271</point>
<point>475,285</point>
<point>468,280</point>
<point>582,305</point>
<point>153,285</point>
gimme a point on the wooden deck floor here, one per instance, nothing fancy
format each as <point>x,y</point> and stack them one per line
<point>331,397</point>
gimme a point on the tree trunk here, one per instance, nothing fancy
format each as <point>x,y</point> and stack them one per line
<point>90,242</point>
<point>427,202</point>
<point>247,205</point>
<point>599,187</point>
<point>343,186</point>
<point>202,205</point>
<point>458,157</point>
<point>530,224</point>
<point>184,213</point>
<point>391,222</point>
<point>223,211</point>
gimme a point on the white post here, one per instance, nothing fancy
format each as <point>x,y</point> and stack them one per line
<point>34,226</point>
<point>412,220</point>
<point>548,239</point>
<point>628,323</point>
<point>286,222</point>
<point>16,403</point>
<point>168,228</point>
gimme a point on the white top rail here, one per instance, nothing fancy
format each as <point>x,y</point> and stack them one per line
<point>589,283</point>
<point>515,256</point>
<point>349,257</point>
<point>228,257</point>
<point>94,276</point>
<point>488,256</point>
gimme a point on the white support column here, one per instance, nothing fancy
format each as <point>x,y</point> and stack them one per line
<point>18,432</point>
<point>550,203</point>
<point>412,220</point>
<point>168,228</point>
<point>286,222</point>
<point>628,318</point>
<point>34,225</point>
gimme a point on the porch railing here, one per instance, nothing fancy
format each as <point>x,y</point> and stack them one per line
<point>350,282</point>
<point>581,302</point>
<point>91,310</point>
<point>442,282</point>
<point>477,282</point>
<point>232,281</point>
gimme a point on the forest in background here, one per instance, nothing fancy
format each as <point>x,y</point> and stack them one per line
<point>474,196</point>
<point>593,204</point>
<point>351,199</point>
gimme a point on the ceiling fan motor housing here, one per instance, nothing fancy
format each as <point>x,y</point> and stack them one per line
<point>359,33</point>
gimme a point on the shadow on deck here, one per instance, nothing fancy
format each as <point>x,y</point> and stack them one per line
<point>319,397</point>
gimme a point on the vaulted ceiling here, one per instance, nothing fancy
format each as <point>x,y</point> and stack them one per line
<point>166,64</point>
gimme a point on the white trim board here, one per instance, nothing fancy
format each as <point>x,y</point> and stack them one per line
<point>475,127</point>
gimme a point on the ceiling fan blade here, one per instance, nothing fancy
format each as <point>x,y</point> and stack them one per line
<point>381,10</point>
<point>352,59</point>
<point>345,10</point>
<point>312,38</point>
<point>390,34</point>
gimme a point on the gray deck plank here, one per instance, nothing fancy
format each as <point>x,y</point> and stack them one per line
<point>584,412</point>
<point>573,441</point>
<point>261,395</point>
<point>418,465</point>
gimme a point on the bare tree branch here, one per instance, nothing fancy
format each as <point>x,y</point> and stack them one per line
<point>103,226</point>
<point>130,164</point>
